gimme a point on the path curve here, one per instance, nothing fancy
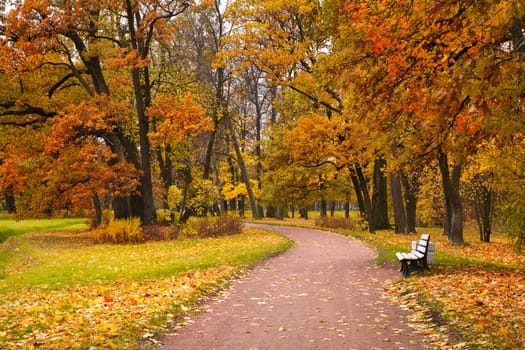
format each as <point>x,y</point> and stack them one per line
<point>324,293</point>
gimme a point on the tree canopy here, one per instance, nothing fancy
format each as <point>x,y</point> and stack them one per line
<point>275,104</point>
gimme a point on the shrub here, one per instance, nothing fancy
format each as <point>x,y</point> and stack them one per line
<point>337,222</point>
<point>164,217</point>
<point>161,232</point>
<point>223,225</point>
<point>120,231</point>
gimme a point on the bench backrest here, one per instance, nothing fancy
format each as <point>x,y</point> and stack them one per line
<point>422,245</point>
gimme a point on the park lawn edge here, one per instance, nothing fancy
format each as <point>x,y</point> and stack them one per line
<point>445,327</point>
<point>202,282</point>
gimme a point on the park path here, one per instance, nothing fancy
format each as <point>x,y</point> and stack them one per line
<point>324,293</point>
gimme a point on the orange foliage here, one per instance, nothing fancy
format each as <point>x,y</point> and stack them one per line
<point>176,118</point>
<point>426,72</point>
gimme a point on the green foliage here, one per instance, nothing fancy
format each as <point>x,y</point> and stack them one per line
<point>120,231</point>
<point>223,225</point>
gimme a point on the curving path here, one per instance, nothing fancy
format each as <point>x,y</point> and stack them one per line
<point>325,293</point>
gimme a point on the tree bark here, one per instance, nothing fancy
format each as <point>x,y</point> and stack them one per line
<point>454,206</point>
<point>142,101</point>
<point>9,201</point>
<point>166,169</point>
<point>379,196</point>
<point>483,205</point>
<point>400,218</point>
<point>258,150</point>
<point>366,200</point>
<point>324,205</point>
<point>242,166</point>
<point>303,213</point>
<point>411,186</point>
<point>98,210</point>
<point>359,195</point>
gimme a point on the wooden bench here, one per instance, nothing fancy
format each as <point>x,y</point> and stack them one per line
<point>416,260</point>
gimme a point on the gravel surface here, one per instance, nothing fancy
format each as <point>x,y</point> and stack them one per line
<point>324,293</point>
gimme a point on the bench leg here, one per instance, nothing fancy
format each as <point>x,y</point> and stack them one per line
<point>404,268</point>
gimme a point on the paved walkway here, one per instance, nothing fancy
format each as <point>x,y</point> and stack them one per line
<point>325,293</point>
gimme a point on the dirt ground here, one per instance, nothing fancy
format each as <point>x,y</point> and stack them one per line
<point>325,293</point>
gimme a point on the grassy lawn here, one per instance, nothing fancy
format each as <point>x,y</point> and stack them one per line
<point>474,295</point>
<point>9,227</point>
<point>59,290</point>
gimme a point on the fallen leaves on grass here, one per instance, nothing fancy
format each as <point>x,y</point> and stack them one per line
<point>487,304</point>
<point>465,304</point>
<point>499,251</point>
<point>72,294</point>
<point>100,315</point>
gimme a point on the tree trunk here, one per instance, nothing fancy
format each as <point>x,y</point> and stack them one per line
<point>411,186</point>
<point>379,196</point>
<point>400,218</point>
<point>98,210</point>
<point>359,195</point>
<point>241,205</point>
<point>166,169</point>
<point>120,207</point>
<point>272,212</point>
<point>148,210</point>
<point>484,210</point>
<point>9,201</point>
<point>366,200</point>
<point>347,207</point>
<point>242,166</point>
<point>303,213</point>
<point>258,151</point>
<point>454,216</point>
<point>184,211</point>
<point>141,90</point>
<point>324,206</point>
<point>209,151</point>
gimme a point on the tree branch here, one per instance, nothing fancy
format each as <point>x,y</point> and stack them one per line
<point>316,100</point>
<point>27,111</point>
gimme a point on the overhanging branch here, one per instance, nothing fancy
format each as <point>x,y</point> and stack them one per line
<point>316,100</point>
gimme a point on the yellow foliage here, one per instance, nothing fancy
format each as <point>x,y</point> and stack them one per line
<point>230,191</point>
<point>120,231</point>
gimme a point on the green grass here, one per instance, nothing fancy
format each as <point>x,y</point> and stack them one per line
<point>109,296</point>
<point>10,227</point>
<point>58,259</point>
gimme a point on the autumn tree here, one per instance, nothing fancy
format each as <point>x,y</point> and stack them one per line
<point>424,62</point>
<point>93,43</point>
